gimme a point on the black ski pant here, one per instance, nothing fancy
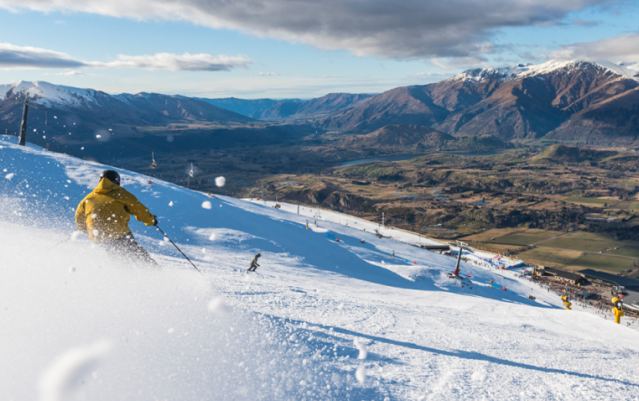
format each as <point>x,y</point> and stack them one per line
<point>253,267</point>
<point>126,249</point>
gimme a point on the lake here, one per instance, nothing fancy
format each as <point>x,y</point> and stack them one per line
<point>474,154</point>
<point>405,196</point>
<point>400,158</point>
<point>378,159</point>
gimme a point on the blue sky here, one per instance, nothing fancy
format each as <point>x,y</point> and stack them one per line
<point>379,47</point>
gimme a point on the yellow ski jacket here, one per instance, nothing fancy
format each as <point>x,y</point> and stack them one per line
<point>104,213</point>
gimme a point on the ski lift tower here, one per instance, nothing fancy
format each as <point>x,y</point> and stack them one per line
<point>462,246</point>
<point>22,141</point>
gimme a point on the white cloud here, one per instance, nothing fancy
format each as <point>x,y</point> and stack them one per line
<point>176,62</point>
<point>73,73</point>
<point>268,74</point>
<point>456,63</point>
<point>432,75</point>
<point>12,57</point>
<point>16,57</point>
<point>618,48</point>
<point>383,28</point>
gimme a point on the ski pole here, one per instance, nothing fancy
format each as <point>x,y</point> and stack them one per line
<point>176,247</point>
<point>59,243</point>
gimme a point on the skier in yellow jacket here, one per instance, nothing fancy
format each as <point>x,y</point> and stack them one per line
<point>104,215</point>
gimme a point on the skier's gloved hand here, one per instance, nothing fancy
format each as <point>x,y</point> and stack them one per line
<point>155,220</point>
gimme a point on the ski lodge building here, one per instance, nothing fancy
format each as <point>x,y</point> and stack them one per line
<point>559,275</point>
<point>626,286</point>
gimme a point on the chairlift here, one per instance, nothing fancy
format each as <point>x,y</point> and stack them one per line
<point>153,159</point>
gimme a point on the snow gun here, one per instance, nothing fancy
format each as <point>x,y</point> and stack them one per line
<point>617,309</point>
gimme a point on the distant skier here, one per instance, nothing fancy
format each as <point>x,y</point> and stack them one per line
<point>254,264</point>
<point>104,215</point>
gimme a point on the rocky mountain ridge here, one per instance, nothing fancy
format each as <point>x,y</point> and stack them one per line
<point>581,101</point>
<point>99,109</point>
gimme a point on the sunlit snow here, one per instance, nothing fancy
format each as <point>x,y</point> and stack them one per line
<point>318,320</point>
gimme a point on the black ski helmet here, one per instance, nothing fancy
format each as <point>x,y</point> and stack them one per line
<point>111,175</point>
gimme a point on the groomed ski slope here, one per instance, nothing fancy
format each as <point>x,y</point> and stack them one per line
<point>313,215</point>
<point>320,320</point>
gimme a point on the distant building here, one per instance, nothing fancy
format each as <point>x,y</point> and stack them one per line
<point>559,275</point>
<point>609,279</point>
<point>626,286</point>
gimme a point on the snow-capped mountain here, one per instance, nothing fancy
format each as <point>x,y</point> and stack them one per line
<point>562,100</point>
<point>50,95</point>
<point>581,101</point>
<point>359,318</point>
<point>77,119</point>
<point>621,70</point>
<point>140,109</point>
<point>632,67</point>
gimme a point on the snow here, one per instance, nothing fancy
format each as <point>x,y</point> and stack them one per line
<point>293,330</point>
<point>632,67</point>
<point>60,379</point>
<point>67,97</point>
<point>220,181</point>
<point>4,89</point>
<point>531,70</point>
<point>313,215</point>
<point>50,95</point>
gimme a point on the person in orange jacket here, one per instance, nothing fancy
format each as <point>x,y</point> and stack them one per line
<point>104,215</point>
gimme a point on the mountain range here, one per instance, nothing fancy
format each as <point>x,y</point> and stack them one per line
<point>291,109</point>
<point>584,102</point>
<point>576,101</point>
<point>99,110</point>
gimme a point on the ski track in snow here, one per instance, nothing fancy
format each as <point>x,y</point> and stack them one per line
<point>285,332</point>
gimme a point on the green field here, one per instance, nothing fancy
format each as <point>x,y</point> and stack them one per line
<point>631,250</point>
<point>596,201</point>
<point>519,239</point>
<point>583,241</point>
<point>510,236</point>
<point>492,247</point>
<point>515,239</point>
<point>627,205</point>
<point>550,257</point>
<point>630,183</point>
<point>603,262</point>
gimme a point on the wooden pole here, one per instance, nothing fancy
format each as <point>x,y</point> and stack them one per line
<point>22,141</point>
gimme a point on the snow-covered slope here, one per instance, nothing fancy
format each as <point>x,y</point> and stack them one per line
<point>50,95</point>
<point>529,70</point>
<point>321,319</point>
<point>96,109</point>
<point>632,67</point>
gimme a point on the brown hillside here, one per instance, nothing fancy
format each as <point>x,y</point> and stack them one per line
<point>571,98</point>
<point>398,136</point>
